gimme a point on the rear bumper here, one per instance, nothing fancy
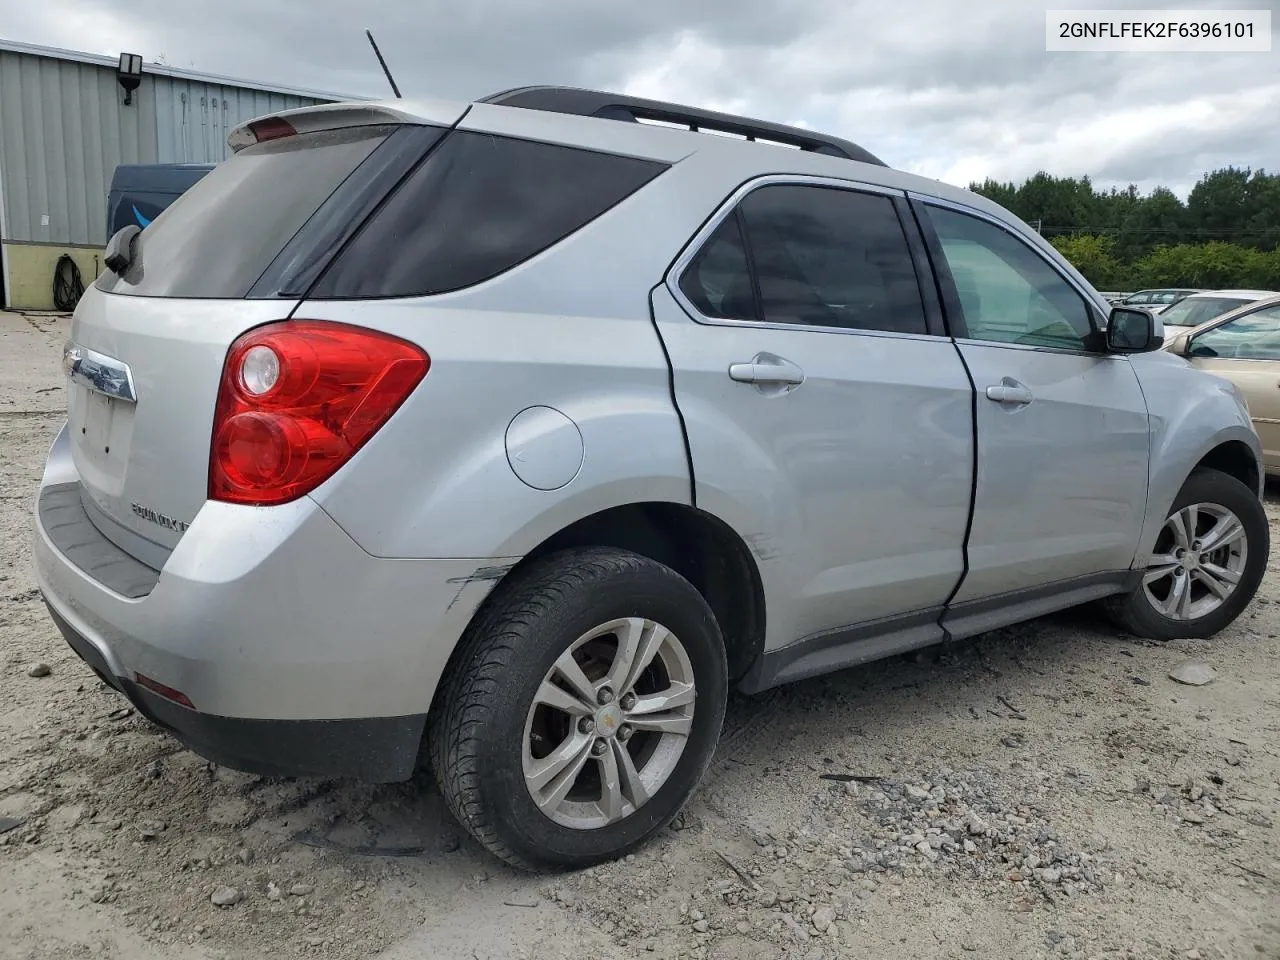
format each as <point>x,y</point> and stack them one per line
<point>300,652</point>
<point>376,749</point>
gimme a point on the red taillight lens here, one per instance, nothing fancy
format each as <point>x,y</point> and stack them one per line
<point>297,399</point>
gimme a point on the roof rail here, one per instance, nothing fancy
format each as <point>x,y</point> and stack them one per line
<point>614,106</point>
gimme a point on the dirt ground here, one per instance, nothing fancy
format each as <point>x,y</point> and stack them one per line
<point>1044,791</point>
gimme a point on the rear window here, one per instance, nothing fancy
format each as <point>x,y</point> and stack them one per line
<point>477,206</point>
<point>217,238</point>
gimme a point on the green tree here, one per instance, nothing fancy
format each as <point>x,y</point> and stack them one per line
<point>1227,234</point>
<point>1212,265</point>
<point>1094,257</point>
<point>1005,194</point>
<point>1262,224</point>
<point>1154,220</point>
<point>1217,206</point>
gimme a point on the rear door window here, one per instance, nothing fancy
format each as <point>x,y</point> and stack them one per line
<point>477,206</point>
<point>833,258</point>
<point>810,256</point>
<point>216,239</point>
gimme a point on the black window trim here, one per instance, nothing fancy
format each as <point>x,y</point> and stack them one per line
<point>951,297</point>
<point>730,208</point>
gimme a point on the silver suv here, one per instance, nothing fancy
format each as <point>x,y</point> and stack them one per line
<point>509,436</point>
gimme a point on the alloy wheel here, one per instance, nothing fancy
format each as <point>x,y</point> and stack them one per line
<point>608,723</point>
<point>1198,561</point>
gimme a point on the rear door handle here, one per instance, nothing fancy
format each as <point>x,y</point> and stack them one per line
<point>767,369</point>
<point>1010,392</point>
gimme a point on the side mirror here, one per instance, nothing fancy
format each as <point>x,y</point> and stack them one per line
<point>1133,330</point>
<point>1181,345</point>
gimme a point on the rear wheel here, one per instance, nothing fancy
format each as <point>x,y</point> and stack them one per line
<point>1206,565</point>
<point>582,709</point>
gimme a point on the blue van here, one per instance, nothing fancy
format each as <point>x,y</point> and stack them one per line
<point>139,191</point>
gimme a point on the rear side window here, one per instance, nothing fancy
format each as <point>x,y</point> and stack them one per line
<point>477,206</point>
<point>216,239</point>
<point>718,281</point>
<point>821,256</point>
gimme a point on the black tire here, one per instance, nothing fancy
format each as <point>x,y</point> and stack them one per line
<point>477,726</point>
<point>1134,611</point>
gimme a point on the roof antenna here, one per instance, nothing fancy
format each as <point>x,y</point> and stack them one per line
<point>378,54</point>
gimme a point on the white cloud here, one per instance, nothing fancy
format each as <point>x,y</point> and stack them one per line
<point>956,90</point>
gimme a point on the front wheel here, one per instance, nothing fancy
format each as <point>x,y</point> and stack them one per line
<point>1207,563</point>
<point>581,710</point>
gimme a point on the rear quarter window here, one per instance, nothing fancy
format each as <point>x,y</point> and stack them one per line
<point>217,238</point>
<point>477,206</point>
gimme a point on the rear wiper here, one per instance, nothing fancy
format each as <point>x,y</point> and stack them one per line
<point>119,253</point>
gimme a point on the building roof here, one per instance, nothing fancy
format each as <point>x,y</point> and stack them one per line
<point>56,53</point>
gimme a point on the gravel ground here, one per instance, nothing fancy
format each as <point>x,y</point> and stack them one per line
<point>1045,791</point>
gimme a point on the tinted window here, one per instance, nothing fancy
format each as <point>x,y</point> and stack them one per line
<point>1255,336</point>
<point>1008,292</point>
<point>216,239</point>
<point>718,281</point>
<point>479,205</point>
<point>1194,311</point>
<point>831,257</point>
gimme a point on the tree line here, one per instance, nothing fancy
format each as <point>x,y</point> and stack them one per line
<point>1227,234</point>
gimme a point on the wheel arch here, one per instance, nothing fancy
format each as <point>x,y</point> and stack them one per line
<point>1234,451</point>
<point>703,549</point>
<point>1236,459</point>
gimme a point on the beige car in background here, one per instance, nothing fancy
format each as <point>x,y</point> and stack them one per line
<point>1244,347</point>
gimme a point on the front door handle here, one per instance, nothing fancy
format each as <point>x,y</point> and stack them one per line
<point>767,369</point>
<point>1011,392</point>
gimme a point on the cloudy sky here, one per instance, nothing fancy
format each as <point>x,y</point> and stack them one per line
<point>954,89</point>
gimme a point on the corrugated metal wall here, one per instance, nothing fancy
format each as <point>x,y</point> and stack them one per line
<point>64,128</point>
<point>194,118</point>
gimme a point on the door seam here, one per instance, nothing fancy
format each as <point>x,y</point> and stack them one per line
<point>675,403</point>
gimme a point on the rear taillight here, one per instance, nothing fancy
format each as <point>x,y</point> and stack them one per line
<point>297,399</point>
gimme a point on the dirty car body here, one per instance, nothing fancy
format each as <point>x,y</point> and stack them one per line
<point>395,374</point>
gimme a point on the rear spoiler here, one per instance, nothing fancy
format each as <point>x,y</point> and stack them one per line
<point>333,116</point>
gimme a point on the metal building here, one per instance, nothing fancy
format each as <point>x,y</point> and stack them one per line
<point>67,119</point>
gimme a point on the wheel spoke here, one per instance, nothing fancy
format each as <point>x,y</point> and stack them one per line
<point>638,643</point>
<point>1223,534</point>
<point>1178,524</point>
<point>1216,586</point>
<point>1183,604</point>
<point>663,723</point>
<point>557,697</point>
<point>611,799</point>
<point>1169,606</point>
<point>572,674</point>
<point>676,695</point>
<point>632,786</point>
<point>1155,573</point>
<point>565,761</point>
<point>1225,574</point>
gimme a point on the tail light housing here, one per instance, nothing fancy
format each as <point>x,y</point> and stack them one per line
<point>297,399</point>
